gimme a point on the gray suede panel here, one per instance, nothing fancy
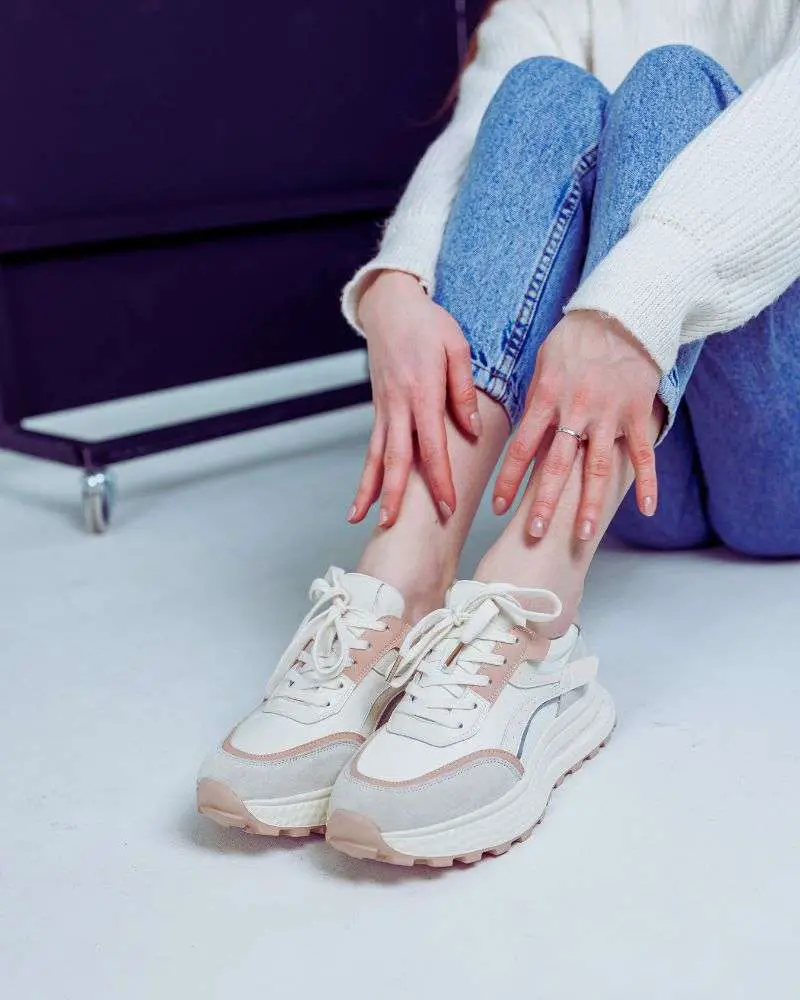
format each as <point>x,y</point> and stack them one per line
<point>314,771</point>
<point>399,807</point>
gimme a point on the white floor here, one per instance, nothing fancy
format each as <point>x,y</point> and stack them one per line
<point>667,867</point>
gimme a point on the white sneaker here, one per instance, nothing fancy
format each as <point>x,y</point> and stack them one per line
<point>273,774</point>
<point>494,718</point>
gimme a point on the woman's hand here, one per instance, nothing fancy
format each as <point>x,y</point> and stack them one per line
<point>419,360</point>
<point>593,377</point>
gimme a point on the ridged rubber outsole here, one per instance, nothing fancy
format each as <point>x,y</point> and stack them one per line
<point>359,837</point>
<point>224,807</point>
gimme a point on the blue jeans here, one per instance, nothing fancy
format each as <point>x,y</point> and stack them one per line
<point>558,167</point>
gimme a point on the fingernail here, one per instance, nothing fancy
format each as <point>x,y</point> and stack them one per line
<point>445,510</point>
<point>537,527</point>
<point>351,514</point>
<point>585,532</point>
<point>649,505</point>
<point>384,517</point>
<point>499,505</point>
<point>475,423</point>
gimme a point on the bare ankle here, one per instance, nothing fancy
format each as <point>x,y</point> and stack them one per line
<point>421,579</point>
<point>568,593</point>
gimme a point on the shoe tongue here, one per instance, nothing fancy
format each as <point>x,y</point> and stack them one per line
<point>463,591</point>
<point>373,595</point>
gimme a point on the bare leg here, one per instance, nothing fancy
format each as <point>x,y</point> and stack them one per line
<point>559,561</point>
<point>419,553</point>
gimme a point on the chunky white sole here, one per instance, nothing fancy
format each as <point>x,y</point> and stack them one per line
<point>573,737</point>
<point>293,816</point>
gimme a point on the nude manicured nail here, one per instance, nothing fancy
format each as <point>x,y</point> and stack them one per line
<point>351,514</point>
<point>537,527</point>
<point>585,532</point>
<point>475,423</point>
<point>499,505</point>
<point>445,510</point>
<point>384,516</point>
<point>649,505</point>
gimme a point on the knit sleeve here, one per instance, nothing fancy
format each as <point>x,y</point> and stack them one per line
<point>514,30</point>
<point>718,237</point>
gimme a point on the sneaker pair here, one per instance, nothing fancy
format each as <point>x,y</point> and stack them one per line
<point>424,744</point>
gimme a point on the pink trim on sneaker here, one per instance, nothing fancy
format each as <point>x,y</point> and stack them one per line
<point>380,642</point>
<point>529,646</point>
<point>297,751</point>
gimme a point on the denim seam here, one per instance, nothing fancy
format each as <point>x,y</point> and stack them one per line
<point>481,367</point>
<point>500,385</point>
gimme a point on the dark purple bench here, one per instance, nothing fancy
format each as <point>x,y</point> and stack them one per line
<point>183,190</point>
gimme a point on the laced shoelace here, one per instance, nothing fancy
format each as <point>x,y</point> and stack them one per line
<point>442,655</point>
<point>311,667</point>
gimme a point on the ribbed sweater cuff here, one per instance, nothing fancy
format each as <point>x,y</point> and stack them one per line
<point>355,287</point>
<point>650,282</point>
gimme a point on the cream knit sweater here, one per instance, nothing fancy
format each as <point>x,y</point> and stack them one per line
<point>718,237</point>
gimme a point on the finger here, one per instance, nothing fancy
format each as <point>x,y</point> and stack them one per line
<point>461,388</point>
<point>397,460</point>
<point>434,457</point>
<point>549,481</point>
<point>369,486</point>
<point>519,456</point>
<point>598,465</point>
<point>643,459</point>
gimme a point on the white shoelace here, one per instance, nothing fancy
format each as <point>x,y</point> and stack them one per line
<point>311,668</point>
<point>438,690</point>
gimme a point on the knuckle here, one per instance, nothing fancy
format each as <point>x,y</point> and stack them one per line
<point>647,485</point>
<point>545,506</point>
<point>557,466</point>
<point>519,451</point>
<point>465,390</point>
<point>546,392</point>
<point>394,459</point>
<point>505,483</point>
<point>417,395</point>
<point>393,390</point>
<point>581,399</point>
<point>429,447</point>
<point>641,454</point>
<point>599,466</point>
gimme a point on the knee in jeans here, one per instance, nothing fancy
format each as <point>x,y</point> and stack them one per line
<point>545,78</point>
<point>759,536</point>
<point>657,70</point>
<point>679,523</point>
<point>639,533</point>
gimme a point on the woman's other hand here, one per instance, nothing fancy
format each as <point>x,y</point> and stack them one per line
<point>419,362</point>
<point>593,377</point>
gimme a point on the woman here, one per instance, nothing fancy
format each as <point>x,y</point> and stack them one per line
<point>603,206</point>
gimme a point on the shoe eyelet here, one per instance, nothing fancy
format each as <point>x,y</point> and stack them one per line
<point>327,704</point>
<point>340,686</point>
<point>461,725</point>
